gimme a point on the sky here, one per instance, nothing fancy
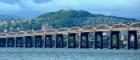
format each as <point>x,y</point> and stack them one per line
<point>33,8</point>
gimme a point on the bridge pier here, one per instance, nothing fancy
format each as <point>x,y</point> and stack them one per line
<point>10,42</point>
<point>115,44</point>
<point>72,40</point>
<point>19,42</point>
<point>99,43</point>
<point>38,41</point>
<point>48,41</point>
<point>3,42</point>
<point>59,41</point>
<point>29,43</point>
<point>84,43</point>
<point>132,44</point>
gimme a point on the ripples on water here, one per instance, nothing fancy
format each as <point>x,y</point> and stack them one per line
<point>68,54</point>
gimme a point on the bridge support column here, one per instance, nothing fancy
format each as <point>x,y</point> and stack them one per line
<point>59,41</point>
<point>3,42</point>
<point>19,42</point>
<point>72,40</point>
<point>38,41</point>
<point>11,42</point>
<point>48,41</point>
<point>116,43</point>
<point>84,40</point>
<point>134,41</point>
<point>99,39</point>
<point>29,43</point>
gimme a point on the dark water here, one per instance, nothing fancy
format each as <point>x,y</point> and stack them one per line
<point>68,54</point>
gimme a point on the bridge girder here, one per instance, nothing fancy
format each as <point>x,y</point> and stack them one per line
<point>88,28</point>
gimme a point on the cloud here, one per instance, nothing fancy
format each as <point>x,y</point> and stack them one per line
<point>124,8</point>
<point>6,8</point>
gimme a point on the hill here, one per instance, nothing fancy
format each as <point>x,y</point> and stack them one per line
<point>61,19</point>
<point>8,17</point>
<point>70,18</point>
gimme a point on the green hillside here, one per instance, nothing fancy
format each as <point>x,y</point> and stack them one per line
<point>60,19</point>
<point>70,18</point>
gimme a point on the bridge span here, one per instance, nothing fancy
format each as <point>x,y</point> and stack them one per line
<point>74,37</point>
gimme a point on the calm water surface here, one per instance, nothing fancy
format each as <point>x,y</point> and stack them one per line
<point>68,54</point>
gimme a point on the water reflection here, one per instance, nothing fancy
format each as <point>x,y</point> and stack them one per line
<point>69,54</point>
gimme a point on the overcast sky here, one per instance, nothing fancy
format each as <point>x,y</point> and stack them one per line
<point>32,8</point>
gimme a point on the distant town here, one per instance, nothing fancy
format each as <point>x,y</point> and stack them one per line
<point>60,19</point>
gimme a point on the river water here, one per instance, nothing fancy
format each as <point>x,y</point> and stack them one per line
<point>68,54</point>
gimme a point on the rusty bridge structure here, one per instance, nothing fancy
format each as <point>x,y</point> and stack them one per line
<point>74,37</point>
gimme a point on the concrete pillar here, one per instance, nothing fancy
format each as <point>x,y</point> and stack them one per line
<point>11,42</point>
<point>48,41</point>
<point>116,35</point>
<point>19,42</point>
<point>3,42</point>
<point>24,41</point>
<point>72,40</point>
<point>59,41</point>
<point>99,43</point>
<point>84,40</point>
<point>29,43</point>
<point>134,44</point>
<point>38,41</point>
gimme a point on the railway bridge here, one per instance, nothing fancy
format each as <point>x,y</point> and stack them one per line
<point>75,37</point>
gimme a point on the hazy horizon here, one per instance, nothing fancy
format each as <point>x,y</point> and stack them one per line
<point>33,8</point>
